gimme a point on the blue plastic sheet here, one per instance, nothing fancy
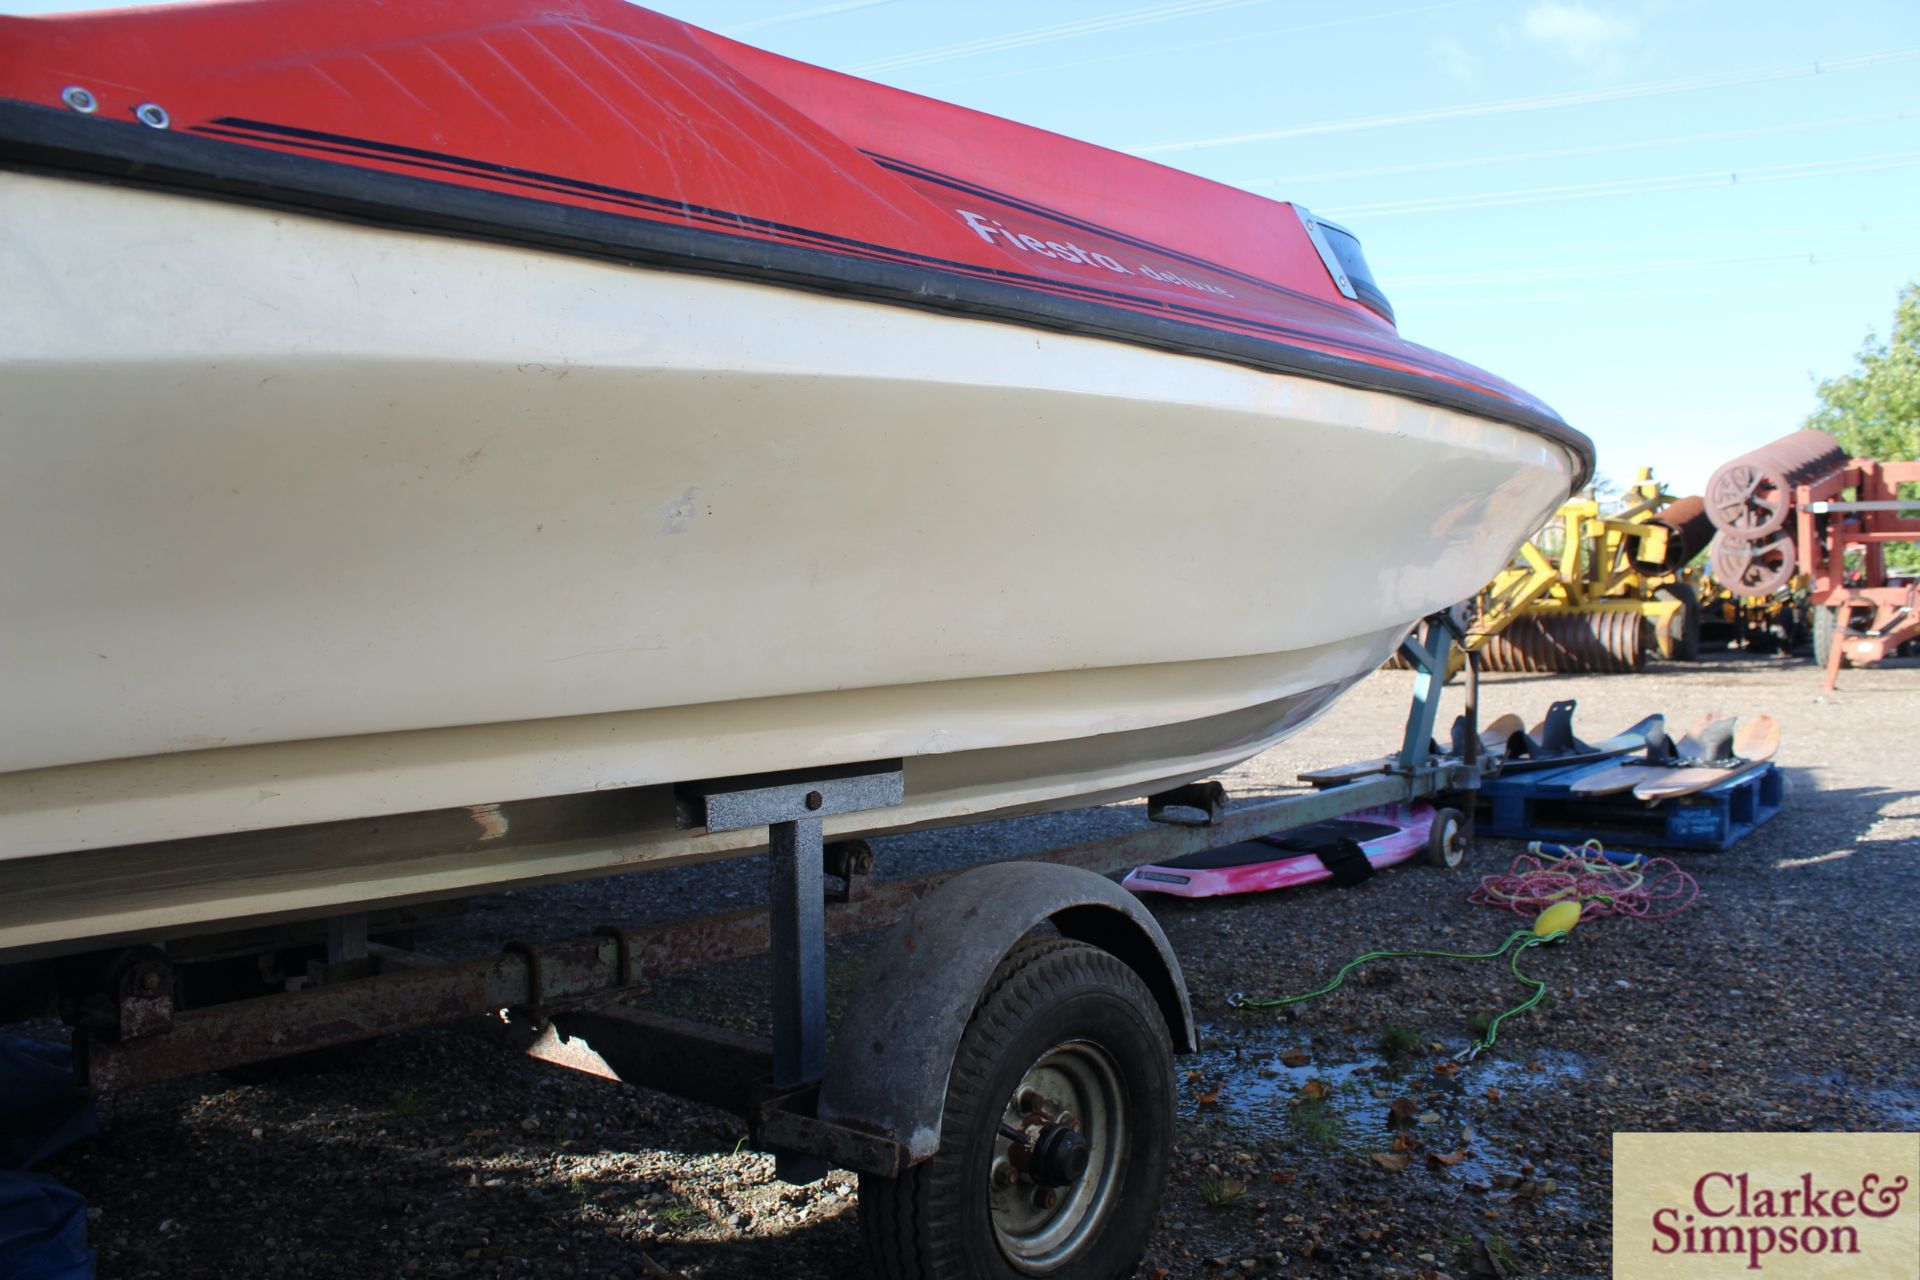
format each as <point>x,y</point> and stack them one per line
<point>43,1230</point>
<point>43,1225</point>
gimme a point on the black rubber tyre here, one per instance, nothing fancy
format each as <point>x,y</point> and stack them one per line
<point>1684,631</point>
<point>1447,839</point>
<point>1050,995</point>
<point>1824,616</point>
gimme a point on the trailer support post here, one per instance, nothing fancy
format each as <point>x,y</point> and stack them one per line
<point>792,807</point>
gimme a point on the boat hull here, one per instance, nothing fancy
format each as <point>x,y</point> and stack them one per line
<point>323,521</point>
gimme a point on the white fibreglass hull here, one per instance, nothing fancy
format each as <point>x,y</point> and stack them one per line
<point>307,521</point>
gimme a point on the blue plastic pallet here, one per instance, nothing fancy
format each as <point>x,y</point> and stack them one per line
<point>1540,806</point>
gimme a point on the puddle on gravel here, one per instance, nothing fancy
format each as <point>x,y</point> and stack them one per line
<point>1241,1080</point>
<point>1897,1109</point>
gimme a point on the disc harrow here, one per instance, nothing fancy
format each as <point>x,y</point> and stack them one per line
<point>1608,641</point>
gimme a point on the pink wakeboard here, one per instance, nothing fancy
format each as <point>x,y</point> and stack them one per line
<point>1385,835</point>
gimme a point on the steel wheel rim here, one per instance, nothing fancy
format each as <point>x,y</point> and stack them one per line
<point>1080,1079</point>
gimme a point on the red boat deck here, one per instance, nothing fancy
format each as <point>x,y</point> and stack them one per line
<point>591,126</point>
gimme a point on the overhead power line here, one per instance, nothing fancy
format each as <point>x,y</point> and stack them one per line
<point>800,15</point>
<point>1567,153</point>
<point>1163,50</point>
<point>1716,235</point>
<point>1660,267</point>
<point>1634,186</point>
<point>1539,102</point>
<point>1047,35</point>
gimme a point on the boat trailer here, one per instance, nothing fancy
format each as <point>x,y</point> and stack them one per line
<point>873,1101</point>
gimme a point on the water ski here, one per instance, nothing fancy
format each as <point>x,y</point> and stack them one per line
<point>1661,752</point>
<point>1494,740</point>
<point>1498,736</point>
<point>1552,744</point>
<point>1755,743</point>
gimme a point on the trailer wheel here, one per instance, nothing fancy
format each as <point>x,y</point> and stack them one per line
<point>1056,1135</point>
<point>1447,839</point>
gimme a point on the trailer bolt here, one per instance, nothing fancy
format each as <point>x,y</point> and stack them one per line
<point>1031,1103</point>
<point>1045,1198</point>
<point>1004,1174</point>
<point>79,99</point>
<point>815,800</point>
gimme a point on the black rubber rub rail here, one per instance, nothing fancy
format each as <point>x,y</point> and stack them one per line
<point>49,140</point>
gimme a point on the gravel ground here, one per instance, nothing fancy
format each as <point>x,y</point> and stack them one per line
<point>1784,1000</point>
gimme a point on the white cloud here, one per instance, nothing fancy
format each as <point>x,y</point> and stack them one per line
<point>1454,58</point>
<point>1588,36</point>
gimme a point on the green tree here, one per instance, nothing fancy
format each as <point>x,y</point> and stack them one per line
<point>1874,411</point>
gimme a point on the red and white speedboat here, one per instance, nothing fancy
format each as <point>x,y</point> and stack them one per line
<point>439,409</point>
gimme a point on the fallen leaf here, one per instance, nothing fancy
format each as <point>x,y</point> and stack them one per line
<point>1193,1077</point>
<point>1448,1068</point>
<point>1493,1094</point>
<point>1280,1179</point>
<point>1297,1058</point>
<point>1405,1142</point>
<point>1316,1090</point>
<point>1402,1111</point>
<point>1396,1162</point>
<point>1208,1099</point>
<point>1436,1160</point>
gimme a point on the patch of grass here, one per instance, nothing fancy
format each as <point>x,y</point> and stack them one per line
<point>1463,1251</point>
<point>679,1217</point>
<point>1398,1042</point>
<point>1498,1249</point>
<point>1486,1254</point>
<point>1218,1193</point>
<point>1315,1124</point>
<point>409,1102</point>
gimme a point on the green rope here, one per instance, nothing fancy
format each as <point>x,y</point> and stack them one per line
<point>1526,939</point>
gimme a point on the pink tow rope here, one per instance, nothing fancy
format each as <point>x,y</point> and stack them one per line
<point>1644,888</point>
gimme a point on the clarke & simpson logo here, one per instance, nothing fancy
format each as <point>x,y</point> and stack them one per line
<point>1728,1216</point>
<point>1785,1206</point>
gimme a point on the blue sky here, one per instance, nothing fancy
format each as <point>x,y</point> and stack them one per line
<point>1665,217</point>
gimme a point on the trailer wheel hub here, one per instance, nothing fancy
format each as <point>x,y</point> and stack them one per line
<point>1070,1172</point>
<point>1060,1156</point>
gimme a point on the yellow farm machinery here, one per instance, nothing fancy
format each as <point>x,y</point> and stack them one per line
<point>1596,590</point>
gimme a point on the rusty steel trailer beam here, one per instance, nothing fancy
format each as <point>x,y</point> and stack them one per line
<point>716,1065</point>
<point>567,976</point>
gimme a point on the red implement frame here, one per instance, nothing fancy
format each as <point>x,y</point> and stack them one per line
<point>1828,525</point>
